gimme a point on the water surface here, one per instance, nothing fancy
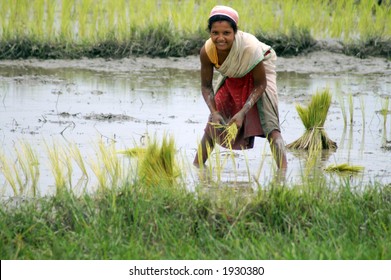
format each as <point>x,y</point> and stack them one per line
<point>81,106</point>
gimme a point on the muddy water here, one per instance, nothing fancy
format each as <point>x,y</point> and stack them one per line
<point>80,102</point>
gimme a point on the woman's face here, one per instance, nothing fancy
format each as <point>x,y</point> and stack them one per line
<point>222,35</point>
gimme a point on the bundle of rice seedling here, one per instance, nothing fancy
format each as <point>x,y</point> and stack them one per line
<point>229,133</point>
<point>313,117</point>
<point>156,162</point>
<point>344,168</point>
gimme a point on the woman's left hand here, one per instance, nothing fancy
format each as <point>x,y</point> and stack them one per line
<point>238,119</point>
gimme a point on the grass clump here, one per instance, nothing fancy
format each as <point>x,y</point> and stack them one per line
<point>313,117</point>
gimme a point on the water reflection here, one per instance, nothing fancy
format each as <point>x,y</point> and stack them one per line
<point>81,106</point>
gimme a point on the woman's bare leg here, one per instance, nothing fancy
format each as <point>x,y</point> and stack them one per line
<point>277,146</point>
<point>206,146</point>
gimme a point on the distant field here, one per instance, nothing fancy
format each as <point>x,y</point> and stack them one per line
<point>118,28</point>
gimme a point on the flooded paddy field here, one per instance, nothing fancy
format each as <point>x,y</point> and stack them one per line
<point>124,101</point>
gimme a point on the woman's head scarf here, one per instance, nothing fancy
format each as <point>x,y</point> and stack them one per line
<point>225,11</point>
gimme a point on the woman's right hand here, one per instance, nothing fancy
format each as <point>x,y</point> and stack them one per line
<point>218,118</point>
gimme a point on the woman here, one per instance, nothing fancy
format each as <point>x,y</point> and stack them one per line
<point>246,91</point>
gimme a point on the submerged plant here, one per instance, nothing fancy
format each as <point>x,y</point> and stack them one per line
<point>313,117</point>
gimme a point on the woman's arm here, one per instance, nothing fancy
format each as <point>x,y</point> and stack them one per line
<point>260,83</point>
<point>207,86</point>
<point>206,81</point>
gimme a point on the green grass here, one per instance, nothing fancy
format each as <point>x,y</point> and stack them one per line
<point>119,28</point>
<point>144,210</point>
<point>129,222</point>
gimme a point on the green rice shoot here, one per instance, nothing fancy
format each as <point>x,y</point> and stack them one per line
<point>351,108</point>
<point>362,107</point>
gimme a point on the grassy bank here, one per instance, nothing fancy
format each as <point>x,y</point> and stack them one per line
<point>74,28</point>
<point>167,222</point>
<point>150,213</point>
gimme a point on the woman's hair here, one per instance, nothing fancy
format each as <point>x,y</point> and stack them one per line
<point>216,18</point>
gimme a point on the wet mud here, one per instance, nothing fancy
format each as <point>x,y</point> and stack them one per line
<point>80,101</point>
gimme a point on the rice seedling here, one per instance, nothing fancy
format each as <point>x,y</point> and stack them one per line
<point>76,28</point>
<point>135,152</point>
<point>21,170</point>
<point>351,108</point>
<point>49,29</point>
<point>56,159</point>
<point>313,117</point>
<point>66,30</point>
<point>362,143</point>
<point>210,173</point>
<point>384,110</point>
<point>22,174</point>
<point>8,172</point>
<point>343,109</point>
<point>260,168</point>
<point>77,157</point>
<point>216,167</point>
<point>156,163</point>
<point>350,141</point>
<point>344,168</point>
<point>170,222</point>
<point>38,10</point>
<point>362,107</point>
<point>229,133</point>
<point>107,166</point>
<point>247,166</point>
<point>30,157</point>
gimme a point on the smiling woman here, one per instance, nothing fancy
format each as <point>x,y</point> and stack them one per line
<point>245,94</point>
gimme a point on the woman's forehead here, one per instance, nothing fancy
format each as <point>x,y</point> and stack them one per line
<point>223,24</point>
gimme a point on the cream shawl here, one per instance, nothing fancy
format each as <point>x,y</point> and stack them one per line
<point>246,52</point>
